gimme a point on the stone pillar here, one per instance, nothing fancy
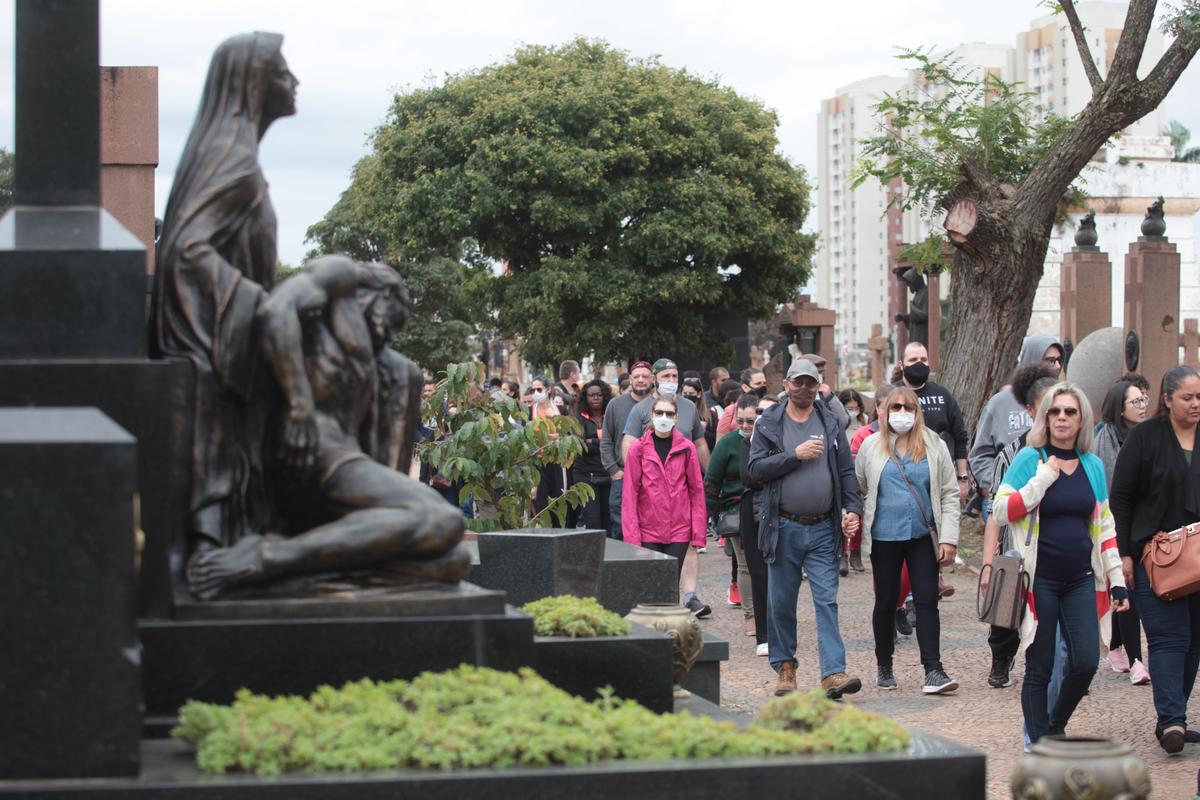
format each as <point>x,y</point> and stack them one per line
<point>1152,304</point>
<point>129,149</point>
<point>934,345</point>
<point>1085,289</point>
<point>878,345</point>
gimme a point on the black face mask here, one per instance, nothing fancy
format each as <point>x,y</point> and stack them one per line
<point>916,374</point>
<point>759,392</point>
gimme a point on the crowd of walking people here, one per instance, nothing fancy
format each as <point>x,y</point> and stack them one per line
<point>805,483</point>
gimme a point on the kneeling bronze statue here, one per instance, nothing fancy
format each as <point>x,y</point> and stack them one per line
<point>325,334</point>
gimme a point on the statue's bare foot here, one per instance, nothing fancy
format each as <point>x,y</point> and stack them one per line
<point>451,567</point>
<point>211,572</point>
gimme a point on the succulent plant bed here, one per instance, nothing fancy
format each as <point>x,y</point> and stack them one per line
<point>475,717</point>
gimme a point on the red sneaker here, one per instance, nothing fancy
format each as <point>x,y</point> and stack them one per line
<point>735,594</point>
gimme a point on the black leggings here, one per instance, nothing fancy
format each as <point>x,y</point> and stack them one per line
<point>1127,632</point>
<point>757,566</point>
<point>677,549</point>
<point>887,558</point>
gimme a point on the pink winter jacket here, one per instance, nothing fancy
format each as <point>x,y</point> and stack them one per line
<point>663,503</point>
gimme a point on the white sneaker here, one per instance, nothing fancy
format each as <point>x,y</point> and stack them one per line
<point>763,650</point>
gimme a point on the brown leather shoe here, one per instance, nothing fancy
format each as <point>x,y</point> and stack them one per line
<point>751,628</point>
<point>787,679</point>
<point>838,684</point>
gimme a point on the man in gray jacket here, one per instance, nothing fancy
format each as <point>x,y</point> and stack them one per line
<point>810,501</point>
<point>640,380</point>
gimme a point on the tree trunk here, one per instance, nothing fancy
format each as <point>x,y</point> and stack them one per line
<point>995,276</point>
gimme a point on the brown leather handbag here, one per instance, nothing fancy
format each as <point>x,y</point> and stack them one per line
<point>1172,562</point>
<point>1003,605</point>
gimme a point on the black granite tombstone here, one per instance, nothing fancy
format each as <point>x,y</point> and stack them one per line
<point>70,690</point>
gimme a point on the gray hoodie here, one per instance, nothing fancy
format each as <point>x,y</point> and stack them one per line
<point>1003,418</point>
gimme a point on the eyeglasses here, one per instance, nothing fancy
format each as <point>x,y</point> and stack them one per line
<point>1053,360</point>
<point>902,407</point>
<point>667,414</point>
<point>1139,402</point>
<point>1058,411</point>
<point>745,420</point>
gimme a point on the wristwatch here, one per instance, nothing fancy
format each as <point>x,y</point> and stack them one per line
<point>964,478</point>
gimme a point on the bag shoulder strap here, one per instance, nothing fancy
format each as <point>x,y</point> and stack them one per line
<point>920,505</point>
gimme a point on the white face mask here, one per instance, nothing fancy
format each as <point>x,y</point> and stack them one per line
<point>664,424</point>
<point>539,397</point>
<point>668,388</point>
<point>901,421</point>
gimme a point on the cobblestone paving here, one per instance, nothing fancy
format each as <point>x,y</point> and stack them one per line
<point>977,715</point>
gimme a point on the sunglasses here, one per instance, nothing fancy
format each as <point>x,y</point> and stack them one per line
<point>1058,411</point>
<point>667,414</point>
<point>902,407</point>
<point>745,420</point>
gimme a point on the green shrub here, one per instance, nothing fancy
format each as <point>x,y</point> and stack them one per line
<point>577,617</point>
<point>473,717</point>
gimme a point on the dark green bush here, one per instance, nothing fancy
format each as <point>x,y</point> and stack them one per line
<point>477,717</point>
<point>577,617</point>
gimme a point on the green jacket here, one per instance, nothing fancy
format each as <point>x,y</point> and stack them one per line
<point>723,482</point>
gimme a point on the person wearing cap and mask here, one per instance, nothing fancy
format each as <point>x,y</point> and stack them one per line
<point>687,423</point>
<point>641,378</point>
<point>810,501</point>
<point>825,394</point>
<point>1004,419</point>
<point>940,409</point>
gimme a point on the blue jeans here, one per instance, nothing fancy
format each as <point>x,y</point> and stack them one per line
<point>1056,678</point>
<point>1073,607</point>
<point>813,548</point>
<point>1173,636</point>
<point>614,506</point>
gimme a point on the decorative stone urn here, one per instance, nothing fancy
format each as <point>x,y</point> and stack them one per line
<point>686,639</point>
<point>1080,768</point>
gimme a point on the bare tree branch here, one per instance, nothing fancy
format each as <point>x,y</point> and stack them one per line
<point>1167,71</point>
<point>1085,52</point>
<point>1138,20</point>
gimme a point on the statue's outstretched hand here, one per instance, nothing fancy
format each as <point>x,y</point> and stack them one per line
<point>299,439</point>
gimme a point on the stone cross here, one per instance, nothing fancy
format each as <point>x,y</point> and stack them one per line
<point>57,103</point>
<point>1189,340</point>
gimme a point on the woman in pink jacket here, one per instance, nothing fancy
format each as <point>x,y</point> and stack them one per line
<point>663,503</point>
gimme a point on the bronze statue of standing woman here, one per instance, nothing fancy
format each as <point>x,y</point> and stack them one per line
<point>216,261</point>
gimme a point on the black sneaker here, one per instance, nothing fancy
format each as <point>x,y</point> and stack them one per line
<point>1000,677</point>
<point>885,679</point>
<point>697,607</point>
<point>856,561</point>
<point>938,682</point>
<point>903,626</point>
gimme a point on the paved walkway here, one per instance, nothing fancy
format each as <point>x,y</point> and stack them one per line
<point>977,715</point>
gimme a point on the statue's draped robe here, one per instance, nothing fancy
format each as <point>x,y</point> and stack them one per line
<point>216,259</point>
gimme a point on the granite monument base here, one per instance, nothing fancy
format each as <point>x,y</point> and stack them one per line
<point>637,666</point>
<point>210,659</point>
<point>531,563</point>
<point>931,767</point>
<point>704,678</point>
<point>69,676</point>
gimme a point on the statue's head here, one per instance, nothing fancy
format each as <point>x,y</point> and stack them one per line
<point>249,77</point>
<point>384,301</point>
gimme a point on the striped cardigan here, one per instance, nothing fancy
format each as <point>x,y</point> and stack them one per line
<point>1020,494</point>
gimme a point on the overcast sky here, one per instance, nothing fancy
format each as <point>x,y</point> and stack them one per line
<point>352,56</point>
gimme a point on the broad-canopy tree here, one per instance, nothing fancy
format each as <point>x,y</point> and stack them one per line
<point>1179,135</point>
<point>446,293</point>
<point>627,199</point>
<point>1000,184</point>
